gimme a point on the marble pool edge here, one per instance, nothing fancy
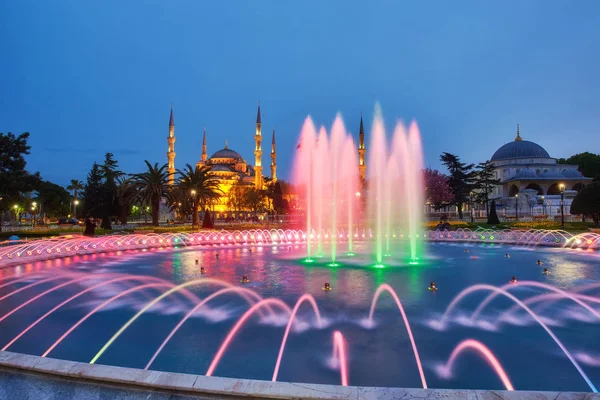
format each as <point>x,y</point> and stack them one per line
<point>216,387</point>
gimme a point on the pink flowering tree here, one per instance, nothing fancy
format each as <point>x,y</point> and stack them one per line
<point>437,189</point>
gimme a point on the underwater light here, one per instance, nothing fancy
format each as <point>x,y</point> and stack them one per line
<point>379,266</point>
<point>333,264</point>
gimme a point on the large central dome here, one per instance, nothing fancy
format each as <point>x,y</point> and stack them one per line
<point>227,153</point>
<point>520,148</point>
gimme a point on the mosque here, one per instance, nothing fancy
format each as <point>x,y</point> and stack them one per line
<point>230,168</point>
<point>531,182</point>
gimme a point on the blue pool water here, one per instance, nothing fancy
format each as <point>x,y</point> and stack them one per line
<point>378,356</point>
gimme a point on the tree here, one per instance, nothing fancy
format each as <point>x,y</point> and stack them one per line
<point>493,215</point>
<point>589,164</point>
<point>110,173</point>
<point>278,202</point>
<point>93,193</point>
<point>485,181</point>
<point>126,195</point>
<point>52,199</point>
<point>587,202</point>
<point>461,180</point>
<point>254,199</point>
<point>201,186</point>
<point>15,181</point>
<point>437,189</point>
<point>236,196</point>
<point>76,186</point>
<point>151,186</point>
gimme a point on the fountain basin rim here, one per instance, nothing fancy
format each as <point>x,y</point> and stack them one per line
<point>105,376</point>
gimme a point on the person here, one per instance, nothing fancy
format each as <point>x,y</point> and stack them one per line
<point>90,227</point>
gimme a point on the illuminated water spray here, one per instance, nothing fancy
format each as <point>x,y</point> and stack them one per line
<point>326,173</point>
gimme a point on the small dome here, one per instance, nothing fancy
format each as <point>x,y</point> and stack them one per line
<point>220,168</point>
<point>520,149</point>
<point>525,174</point>
<point>572,173</point>
<point>227,153</point>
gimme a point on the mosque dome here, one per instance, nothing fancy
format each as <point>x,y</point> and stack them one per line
<point>520,148</point>
<point>227,153</point>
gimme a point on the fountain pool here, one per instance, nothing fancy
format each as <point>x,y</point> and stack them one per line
<point>103,308</point>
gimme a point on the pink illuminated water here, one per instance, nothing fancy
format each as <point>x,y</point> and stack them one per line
<point>471,344</point>
<point>327,176</point>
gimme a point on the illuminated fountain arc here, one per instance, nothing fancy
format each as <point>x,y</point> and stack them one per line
<point>240,322</point>
<point>44,293</point>
<point>304,298</point>
<point>392,292</point>
<point>340,352</point>
<point>483,350</point>
<point>203,281</point>
<point>99,307</point>
<point>484,287</point>
<point>562,293</point>
<point>196,308</point>
<point>54,278</point>
<point>81,293</point>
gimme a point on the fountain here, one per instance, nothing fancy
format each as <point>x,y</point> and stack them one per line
<point>326,170</point>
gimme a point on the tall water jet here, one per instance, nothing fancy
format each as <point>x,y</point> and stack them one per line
<point>326,172</point>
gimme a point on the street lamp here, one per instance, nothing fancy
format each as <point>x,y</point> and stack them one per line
<point>75,208</point>
<point>194,209</point>
<point>544,204</point>
<point>471,194</point>
<point>517,205</point>
<point>561,187</point>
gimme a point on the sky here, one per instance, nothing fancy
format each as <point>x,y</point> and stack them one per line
<point>88,77</point>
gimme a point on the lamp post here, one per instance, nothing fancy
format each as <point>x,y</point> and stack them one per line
<point>194,209</point>
<point>517,206</point>
<point>543,205</point>
<point>33,207</point>
<point>561,187</point>
<point>471,194</point>
<point>75,208</point>
<point>16,208</point>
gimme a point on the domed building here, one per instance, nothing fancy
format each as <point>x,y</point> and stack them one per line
<point>229,167</point>
<point>531,180</point>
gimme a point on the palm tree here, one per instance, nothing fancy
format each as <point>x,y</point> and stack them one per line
<point>75,186</point>
<point>126,194</point>
<point>201,186</point>
<point>151,186</point>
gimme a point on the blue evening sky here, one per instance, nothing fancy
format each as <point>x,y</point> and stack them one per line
<point>87,77</point>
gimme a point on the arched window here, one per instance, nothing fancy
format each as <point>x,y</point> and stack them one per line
<point>537,187</point>
<point>513,190</point>
<point>553,189</point>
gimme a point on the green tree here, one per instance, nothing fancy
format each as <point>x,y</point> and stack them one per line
<point>236,196</point>
<point>93,193</point>
<point>254,200</point>
<point>201,186</point>
<point>587,202</point>
<point>485,181</point>
<point>75,186</point>
<point>52,199</point>
<point>589,164</point>
<point>151,186</point>
<point>461,179</point>
<point>493,215</point>
<point>126,196</point>
<point>15,181</point>
<point>110,174</point>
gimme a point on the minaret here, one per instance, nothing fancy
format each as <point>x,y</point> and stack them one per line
<point>171,151</point>
<point>273,159</point>
<point>258,177</point>
<point>518,138</point>
<point>362,167</point>
<point>203,158</point>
